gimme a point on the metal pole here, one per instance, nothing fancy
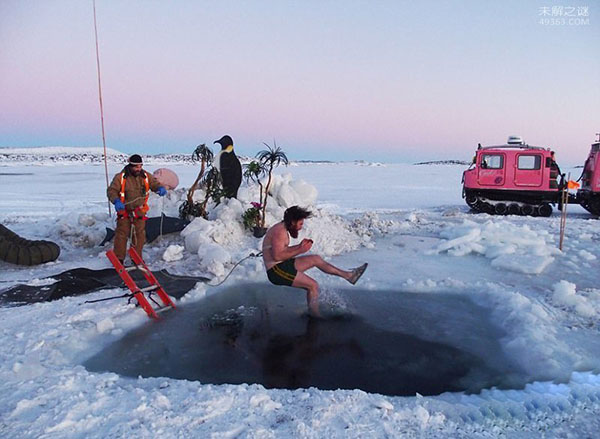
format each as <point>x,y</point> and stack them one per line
<point>563,216</point>
<point>101,106</point>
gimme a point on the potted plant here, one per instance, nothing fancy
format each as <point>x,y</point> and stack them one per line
<point>251,218</point>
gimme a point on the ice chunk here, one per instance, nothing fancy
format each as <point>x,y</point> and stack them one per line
<point>509,246</point>
<point>105,325</point>
<point>522,263</point>
<point>86,220</point>
<point>173,253</point>
<point>213,258</point>
<point>584,254</point>
<point>565,294</point>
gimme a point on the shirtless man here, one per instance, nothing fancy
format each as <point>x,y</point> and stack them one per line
<point>283,265</point>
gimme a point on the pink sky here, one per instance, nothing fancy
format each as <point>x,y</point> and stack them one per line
<point>388,81</point>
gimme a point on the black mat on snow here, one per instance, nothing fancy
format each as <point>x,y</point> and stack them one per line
<point>153,228</point>
<point>84,280</point>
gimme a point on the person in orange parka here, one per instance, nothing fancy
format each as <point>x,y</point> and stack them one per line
<point>129,192</point>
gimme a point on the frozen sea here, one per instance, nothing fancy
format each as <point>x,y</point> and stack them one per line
<point>496,288</point>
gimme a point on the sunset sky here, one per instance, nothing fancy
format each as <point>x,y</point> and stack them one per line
<point>393,81</point>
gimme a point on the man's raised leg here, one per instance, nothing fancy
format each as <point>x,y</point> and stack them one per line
<point>303,263</point>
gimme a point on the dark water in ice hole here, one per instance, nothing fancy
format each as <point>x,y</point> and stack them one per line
<point>388,342</point>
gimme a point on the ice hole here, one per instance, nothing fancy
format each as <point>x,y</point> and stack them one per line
<point>388,342</point>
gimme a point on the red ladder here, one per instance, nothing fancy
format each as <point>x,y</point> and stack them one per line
<point>137,292</point>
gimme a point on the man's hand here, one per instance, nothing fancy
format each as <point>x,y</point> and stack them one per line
<point>306,245</point>
<point>119,206</point>
<point>161,191</point>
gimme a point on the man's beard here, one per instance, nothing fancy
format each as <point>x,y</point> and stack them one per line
<point>135,172</point>
<point>293,232</point>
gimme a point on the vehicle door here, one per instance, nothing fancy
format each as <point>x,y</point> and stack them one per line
<point>528,170</point>
<point>491,169</point>
<point>594,169</point>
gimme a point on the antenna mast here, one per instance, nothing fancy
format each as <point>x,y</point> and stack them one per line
<point>100,98</point>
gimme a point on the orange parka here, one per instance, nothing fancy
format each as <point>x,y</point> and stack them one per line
<point>135,187</point>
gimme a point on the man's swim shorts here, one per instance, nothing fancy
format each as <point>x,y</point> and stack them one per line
<point>283,273</point>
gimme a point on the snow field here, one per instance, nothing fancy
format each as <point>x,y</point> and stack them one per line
<point>546,303</point>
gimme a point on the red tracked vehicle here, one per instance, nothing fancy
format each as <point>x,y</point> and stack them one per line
<point>515,179</point>
<point>589,194</point>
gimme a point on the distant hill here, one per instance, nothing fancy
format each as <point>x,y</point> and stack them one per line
<point>58,154</point>
<point>95,155</point>
<point>444,162</point>
<point>66,154</point>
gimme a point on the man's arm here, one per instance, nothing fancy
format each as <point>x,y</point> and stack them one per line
<point>152,182</point>
<point>112,192</point>
<point>282,251</point>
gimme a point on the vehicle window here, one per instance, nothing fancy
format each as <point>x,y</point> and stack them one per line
<point>530,162</point>
<point>492,161</point>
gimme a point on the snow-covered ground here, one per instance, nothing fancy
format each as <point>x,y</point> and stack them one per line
<point>411,225</point>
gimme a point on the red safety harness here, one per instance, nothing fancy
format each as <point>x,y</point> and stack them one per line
<point>140,211</point>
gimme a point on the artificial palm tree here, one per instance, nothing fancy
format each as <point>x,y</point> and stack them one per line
<point>270,158</point>
<point>252,217</point>
<point>188,209</point>
<point>253,172</point>
<point>212,188</point>
<point>205,156</point>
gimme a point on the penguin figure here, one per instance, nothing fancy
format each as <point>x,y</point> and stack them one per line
<point>229,167</point>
